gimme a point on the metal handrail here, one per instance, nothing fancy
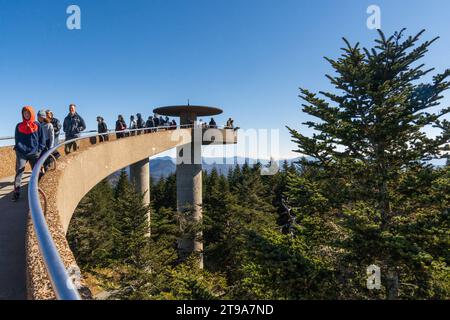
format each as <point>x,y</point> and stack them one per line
<point>113,131</point>
<point>62,135</point>
<point>59,277</point>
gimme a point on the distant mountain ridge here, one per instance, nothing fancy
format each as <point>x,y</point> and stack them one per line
<point>164,166</point>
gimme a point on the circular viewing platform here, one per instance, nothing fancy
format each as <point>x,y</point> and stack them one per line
<point>180,111</point>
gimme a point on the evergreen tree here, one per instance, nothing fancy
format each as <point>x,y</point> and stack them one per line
<point>130,223</point>
<point>277,186</point>
<point>164,193</point>
<point>355,198</point>
<point>91,227</point>
<point>236,215</point>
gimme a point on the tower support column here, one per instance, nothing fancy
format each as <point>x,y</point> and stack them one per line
<point>189,177</point>
<point>140,178</point>
<point>189,195</point>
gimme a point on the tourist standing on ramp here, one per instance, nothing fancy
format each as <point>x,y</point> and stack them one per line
<point>173,125</point>
<point>73,126</point>
<point>120,126</point>
<point>133,125</point>
<point>156,120</point>
<point>29,144</point>
<point>47,130</point>
<point>213,124</point>
<point>140,123</point>
<point>150,124</point>
<point>56,125</point>
<point>102,128</point>
<point>49,136</point>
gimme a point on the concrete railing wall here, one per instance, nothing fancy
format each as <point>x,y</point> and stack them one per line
<point>8,162</point>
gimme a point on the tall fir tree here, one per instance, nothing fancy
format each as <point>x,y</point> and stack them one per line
<point>369,151</point>
<point>89,234</point>
<point>131,227</point>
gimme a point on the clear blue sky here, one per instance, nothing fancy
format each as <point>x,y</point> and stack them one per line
<point>247,56</point>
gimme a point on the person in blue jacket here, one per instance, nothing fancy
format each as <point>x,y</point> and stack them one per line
<point>73,125</point>
<point>29,144</point>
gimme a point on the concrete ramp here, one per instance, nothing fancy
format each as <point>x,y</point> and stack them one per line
<point>75,174</point>
<point>13,225</point>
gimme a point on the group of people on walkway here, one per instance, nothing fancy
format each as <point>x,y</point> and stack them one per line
<point>34,137</point>
<point>212,124</point>
<point>152,124</point>
<point>137,123</point>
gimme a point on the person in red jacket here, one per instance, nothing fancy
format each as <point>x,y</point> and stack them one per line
<point>29,144</point>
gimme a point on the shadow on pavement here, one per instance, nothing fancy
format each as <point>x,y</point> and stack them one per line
<point>13,222</point>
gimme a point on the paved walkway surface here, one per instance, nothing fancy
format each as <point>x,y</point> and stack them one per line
<point>13,221</point>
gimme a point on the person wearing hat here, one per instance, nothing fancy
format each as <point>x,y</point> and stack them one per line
<point>49,136</point>
<point>47,129</point>
<point>29,144</point>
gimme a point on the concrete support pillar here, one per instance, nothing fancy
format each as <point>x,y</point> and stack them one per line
<point>189,194</point>
<point>140,178</point>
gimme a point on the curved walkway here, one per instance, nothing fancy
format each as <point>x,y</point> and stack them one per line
<point>13,226</point>
<point>20,261</point>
